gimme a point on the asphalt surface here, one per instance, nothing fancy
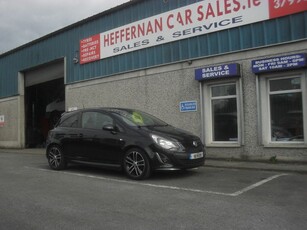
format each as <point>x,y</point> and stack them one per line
<point>35,197</point>
<point>216,163</point>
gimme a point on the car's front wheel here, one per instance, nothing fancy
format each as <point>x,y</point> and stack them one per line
<point>136,164</point>
<point>56,158</point>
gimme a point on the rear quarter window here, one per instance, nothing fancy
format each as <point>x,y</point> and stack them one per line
<point>69,121</point>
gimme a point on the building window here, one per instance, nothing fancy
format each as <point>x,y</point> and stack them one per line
<point>283,109</point>
<point>286,109</point>
<point>222,114</point>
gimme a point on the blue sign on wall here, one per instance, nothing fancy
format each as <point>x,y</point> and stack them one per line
<point>188,106</point>
<point>220,71</point>
<point>293,61</point>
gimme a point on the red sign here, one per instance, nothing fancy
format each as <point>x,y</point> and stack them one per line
<point>90,49</point>
<point>279,8</point>
<point>1,120</point>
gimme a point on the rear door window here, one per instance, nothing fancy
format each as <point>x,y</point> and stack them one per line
<point>71,121</point>
<point>95,120</point>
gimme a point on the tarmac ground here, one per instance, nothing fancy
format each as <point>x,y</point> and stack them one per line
<point>216,163</point>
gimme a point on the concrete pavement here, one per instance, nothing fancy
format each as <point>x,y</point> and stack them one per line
<point>282,167</point>
<point>216,163</point>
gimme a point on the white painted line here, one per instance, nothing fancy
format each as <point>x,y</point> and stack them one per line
<point>131,182</point>
<point>257,184</point>
<point>162,186</point>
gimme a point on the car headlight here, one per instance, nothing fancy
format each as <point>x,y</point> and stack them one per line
<point>167,144</point>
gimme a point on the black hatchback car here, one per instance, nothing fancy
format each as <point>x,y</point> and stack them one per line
<point>124,139</point>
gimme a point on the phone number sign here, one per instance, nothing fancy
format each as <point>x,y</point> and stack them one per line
<point>279,8</point>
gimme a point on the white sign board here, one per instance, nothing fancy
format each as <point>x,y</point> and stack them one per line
<point>192,20</point>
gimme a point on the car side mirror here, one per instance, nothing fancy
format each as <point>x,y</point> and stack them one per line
<point>109,127</point>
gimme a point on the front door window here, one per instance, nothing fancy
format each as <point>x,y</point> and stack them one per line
<point>224,113</point>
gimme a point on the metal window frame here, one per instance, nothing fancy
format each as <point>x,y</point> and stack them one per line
<point>264,114</point>
<point>206,103</point>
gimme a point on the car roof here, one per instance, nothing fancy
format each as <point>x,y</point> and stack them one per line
<point>105,109</point>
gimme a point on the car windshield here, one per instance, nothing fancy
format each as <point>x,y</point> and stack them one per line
<point>137,118</point>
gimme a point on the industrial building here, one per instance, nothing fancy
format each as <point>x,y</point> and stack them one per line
<point>233,72</point>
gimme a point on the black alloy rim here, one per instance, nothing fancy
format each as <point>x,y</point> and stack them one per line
<point>135,164</point>
<point>54,157</point>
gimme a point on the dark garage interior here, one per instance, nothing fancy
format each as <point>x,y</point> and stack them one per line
<point>44,104</point>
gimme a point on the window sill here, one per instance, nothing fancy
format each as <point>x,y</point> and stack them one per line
<point>223,144</point>
<point>298,145</point>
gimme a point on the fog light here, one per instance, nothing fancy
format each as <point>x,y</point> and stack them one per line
<point>162,158</point>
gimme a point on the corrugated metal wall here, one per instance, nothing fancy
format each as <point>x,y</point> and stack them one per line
<point>65,43</point>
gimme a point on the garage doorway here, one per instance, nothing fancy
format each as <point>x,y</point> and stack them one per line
<point>44,102</point>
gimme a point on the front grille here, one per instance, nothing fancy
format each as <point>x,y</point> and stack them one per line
<point>189,147</point>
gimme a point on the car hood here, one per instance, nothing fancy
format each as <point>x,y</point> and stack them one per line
<point>170,132</point>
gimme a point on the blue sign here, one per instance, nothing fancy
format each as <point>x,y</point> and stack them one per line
<point>293,61</point>
<point>220,71</point>
<point>188,106</point>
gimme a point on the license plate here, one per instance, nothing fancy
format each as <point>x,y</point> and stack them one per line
<point>196,155</point>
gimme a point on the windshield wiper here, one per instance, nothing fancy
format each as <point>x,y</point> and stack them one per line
<point>156,125</point>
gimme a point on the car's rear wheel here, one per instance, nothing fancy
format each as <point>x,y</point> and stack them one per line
<point>136,164</point>
<point>56,158</point>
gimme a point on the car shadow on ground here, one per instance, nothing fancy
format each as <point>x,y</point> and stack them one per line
<point>120,175</point>
<point>173,175</point>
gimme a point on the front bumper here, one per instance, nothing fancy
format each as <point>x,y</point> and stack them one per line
<point>177,161</point>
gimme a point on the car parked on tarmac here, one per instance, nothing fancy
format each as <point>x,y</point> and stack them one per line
<point>127,139</point>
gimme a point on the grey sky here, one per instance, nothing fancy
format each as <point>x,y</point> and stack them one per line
<point>22,21</point>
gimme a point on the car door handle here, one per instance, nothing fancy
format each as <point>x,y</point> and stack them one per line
<point>80,135</point>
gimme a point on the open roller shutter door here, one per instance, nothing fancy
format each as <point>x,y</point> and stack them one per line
<point>43,74</point>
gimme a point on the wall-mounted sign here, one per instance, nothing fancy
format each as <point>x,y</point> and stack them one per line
<point>219,71</point>
<point>90,49</point>
<point>1,120</point>
<point>293,61</point>
<point>188,106</point>
<point>196,19</point>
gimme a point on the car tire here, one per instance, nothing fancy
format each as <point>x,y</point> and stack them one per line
<point>136,164</point>
<point>56,158</point>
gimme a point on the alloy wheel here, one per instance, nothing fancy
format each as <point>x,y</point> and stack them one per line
<point>55,158</point>
<point>136,164</point>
